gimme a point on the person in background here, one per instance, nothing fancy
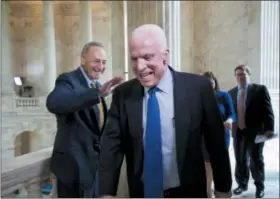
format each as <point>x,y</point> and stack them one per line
<point>255,116</point>
<point>78,104</point>
<point>228,116</point>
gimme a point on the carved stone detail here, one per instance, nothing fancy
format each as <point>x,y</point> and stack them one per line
<point>69,8</point>
<point>33,189</point>
<point>53,193</point>
<point>24,9</point>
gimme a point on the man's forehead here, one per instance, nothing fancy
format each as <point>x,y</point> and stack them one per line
<point>142,51</point>
<point>144,46</point>
<point>96,51</point>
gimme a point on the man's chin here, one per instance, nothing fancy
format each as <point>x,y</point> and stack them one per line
<point>148,84</point>
<point>95,77</point>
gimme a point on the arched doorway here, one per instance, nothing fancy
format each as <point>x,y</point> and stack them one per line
<point>27,142</point>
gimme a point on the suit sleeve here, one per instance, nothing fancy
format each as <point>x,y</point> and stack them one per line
<point>112,153</point>
<point>214,136</point>
<point>65,99</point>
<point>230,108</point>
<point>268,115</point>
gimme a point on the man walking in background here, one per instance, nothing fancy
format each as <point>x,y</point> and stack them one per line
<point>254,116</point>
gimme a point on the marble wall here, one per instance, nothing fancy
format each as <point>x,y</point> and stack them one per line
<point>26,29</point>
<point>226,34</point>
<point>187,34</point>
<point>68,31</point>
<point>27,40</point>
<point>214,35</point>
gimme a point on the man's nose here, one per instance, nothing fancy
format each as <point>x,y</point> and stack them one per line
<point>141,64</point>
<point>101,65</point>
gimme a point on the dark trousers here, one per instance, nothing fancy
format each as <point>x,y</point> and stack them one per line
<point>248,156</point>
<point>68,190</point>
<point>74,191</point>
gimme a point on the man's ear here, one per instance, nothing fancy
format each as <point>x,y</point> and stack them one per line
<point>165,56</point>
<point>83,61</point>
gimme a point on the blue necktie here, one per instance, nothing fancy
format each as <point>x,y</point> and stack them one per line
<point>153,168</point>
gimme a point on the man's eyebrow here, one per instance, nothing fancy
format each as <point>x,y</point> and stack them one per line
<point>97,59</point>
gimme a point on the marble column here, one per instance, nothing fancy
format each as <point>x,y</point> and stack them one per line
<point>7,82</point>
<point>172,26</point>
<point>270,44</point>
<point>118,39</point>
<point>186,40</point>
<point>86,22</point>
<point>50,71</point>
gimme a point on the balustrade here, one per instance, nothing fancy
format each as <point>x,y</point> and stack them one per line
<point>27,173</point>
<point>27,103</point>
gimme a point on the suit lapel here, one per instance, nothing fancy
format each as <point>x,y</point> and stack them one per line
<point>134,110</point>
<point>182,115</point>
<point>88,112</point>
<point>250,93</point>
<point>134,106</point>
<point>98,85</point>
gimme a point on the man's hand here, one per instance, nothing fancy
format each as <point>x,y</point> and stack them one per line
<point>222,194</point>
<point>269,134</point>
<point>106,88</point>
<point>228,124</point>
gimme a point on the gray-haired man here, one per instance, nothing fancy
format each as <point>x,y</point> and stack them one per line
<point>78,103</point>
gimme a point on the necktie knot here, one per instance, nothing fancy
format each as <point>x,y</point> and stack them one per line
<point>94,84</point>
<point>242,87</point>
<point>152,91</point>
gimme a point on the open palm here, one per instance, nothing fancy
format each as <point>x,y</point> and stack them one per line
<point>106,88</point>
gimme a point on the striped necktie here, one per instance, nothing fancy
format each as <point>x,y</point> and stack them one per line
<point>100,112</point>
<point>241,109</point>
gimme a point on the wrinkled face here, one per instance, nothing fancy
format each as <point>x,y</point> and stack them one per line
<point>148,61</point>
<point>94,62</point>
<point>242,77</point>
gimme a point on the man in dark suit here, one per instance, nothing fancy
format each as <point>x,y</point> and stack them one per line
<point>254,116</point>
<point>78,104</point>
<point>156,121</point>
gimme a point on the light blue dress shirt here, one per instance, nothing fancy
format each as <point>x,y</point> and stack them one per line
<point>89,81</point>
<point>166,105</point>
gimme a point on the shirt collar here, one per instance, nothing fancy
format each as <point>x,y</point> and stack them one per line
<point>245,86</point>
<point>165,84</point>
<point>89,81</point>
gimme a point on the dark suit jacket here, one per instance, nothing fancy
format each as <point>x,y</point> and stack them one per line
<point>259,116</point>
<point>77,142</point>
<point>196,111</point>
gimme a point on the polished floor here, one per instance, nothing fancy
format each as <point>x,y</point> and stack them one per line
<point>271,156</point>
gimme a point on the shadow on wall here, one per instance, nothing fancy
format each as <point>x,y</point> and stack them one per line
<point>27,142</point>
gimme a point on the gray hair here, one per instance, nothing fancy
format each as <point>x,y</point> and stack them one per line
<point>88,45</point>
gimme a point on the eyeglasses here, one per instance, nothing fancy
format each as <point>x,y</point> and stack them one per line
<point>240,74</point>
